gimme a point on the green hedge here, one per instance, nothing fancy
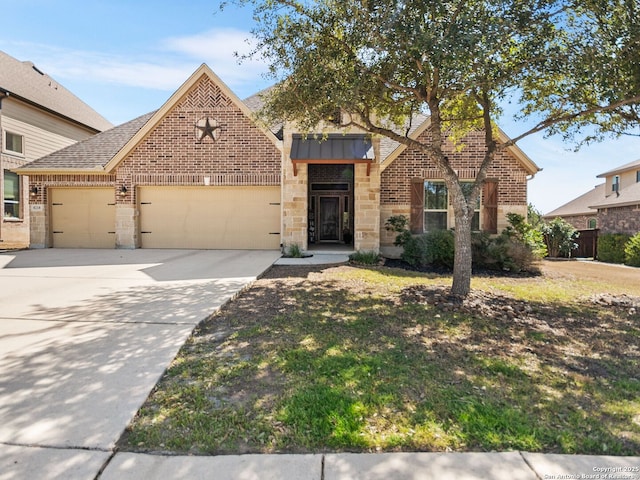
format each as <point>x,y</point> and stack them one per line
<point>611,247</point>
<point>632,251</point>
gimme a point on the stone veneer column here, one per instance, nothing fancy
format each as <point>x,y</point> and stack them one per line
<point>294,204</point>
<point>367,208</point>
<point>126,228</point>
<point>38,226</point>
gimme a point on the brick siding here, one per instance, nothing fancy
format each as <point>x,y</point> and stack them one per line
<point>396,179</point>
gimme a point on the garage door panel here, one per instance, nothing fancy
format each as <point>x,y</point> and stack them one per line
<point>210,217</point>
<point>83,217</point>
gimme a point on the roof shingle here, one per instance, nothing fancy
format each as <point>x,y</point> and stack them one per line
<point>24,80</point>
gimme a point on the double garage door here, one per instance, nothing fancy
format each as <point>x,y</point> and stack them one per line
<point>171,217</point>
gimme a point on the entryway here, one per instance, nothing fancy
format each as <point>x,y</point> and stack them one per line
<point>331,202</point>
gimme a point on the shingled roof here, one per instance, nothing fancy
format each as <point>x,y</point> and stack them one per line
<point>25,81</point>
<point>582,205</point>
<point>93,153</point>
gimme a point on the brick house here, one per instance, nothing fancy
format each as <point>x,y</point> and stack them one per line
<point>612,207</point>
<point>202,172</point>
<point>38,116</point>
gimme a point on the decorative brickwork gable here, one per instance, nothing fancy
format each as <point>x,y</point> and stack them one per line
<point>172,154</point>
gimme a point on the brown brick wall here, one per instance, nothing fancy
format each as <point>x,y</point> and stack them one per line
<point>396,179</point>
<point>619,220</point>
<point>172,154</point>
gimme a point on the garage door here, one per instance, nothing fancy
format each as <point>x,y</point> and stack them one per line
<point>210,217</point>
<point>83,217</point>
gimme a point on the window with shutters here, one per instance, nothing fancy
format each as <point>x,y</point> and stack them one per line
<point>437,206</point>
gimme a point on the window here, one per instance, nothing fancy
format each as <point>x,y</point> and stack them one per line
<point>615,184</point>
<point>436,206</point>
<point>11,195</point>
<point>14,143</point>
<point>592,223</point>
<point>638,176</point>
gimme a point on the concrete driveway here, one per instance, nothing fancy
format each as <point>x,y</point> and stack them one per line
<point>84,337</point>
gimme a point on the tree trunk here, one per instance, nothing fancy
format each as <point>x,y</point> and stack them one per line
<point>462,261</point>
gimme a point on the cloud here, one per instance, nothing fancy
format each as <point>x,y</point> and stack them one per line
<point>162,68</point>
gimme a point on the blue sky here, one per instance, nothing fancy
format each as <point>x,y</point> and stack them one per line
<point>126,57</point>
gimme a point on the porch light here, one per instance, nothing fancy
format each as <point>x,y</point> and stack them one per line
<point>33,191</point>
<point>123,191</point>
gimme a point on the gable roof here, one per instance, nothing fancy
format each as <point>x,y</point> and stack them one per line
<point>157,117</point>
<point>635,165</point>
<point>25,82</point>
<point>581,205</point>
<point>92,153</point>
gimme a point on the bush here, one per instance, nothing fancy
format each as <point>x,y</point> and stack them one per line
<point>503,253</point>
<point>611,247</point>
<point>294,251</point>
<point>525,233</point>
<point>632,251</point>
<point>365,257</point>
<point>433,248</point>
<point>560,237</point>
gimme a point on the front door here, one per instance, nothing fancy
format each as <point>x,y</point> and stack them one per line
<point>329,219</point>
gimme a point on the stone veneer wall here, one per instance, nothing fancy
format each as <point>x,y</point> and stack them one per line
<point>367,208</point>
<point>619,220</point>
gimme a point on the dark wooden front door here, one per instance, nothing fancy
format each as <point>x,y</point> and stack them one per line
<point>329,219</point>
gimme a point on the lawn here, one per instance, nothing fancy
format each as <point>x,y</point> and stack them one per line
<point>376,359</point>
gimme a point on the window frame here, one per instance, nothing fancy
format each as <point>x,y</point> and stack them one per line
<point>592,224</point>
<point>5,143</point>
<point>475,222</point>
<point>14,201</point>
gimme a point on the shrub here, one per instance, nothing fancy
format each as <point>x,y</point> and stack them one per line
<point>632,251</point>
<point>559,236</point>
<point>434,248</point>
<point>611,247</point>
<point>400,225</point>
<point>524,232</point>
<point>365,257</point>
<point>294,251</point>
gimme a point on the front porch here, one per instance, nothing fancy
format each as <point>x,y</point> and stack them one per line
<point>331,194</point>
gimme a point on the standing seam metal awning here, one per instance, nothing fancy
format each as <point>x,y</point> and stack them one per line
<point>336,148</point>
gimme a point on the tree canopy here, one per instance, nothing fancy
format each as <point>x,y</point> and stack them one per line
<point>380,62</point>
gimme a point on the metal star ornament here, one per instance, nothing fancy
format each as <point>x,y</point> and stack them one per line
<point>207,127</point>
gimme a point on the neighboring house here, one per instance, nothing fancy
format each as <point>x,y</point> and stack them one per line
<point>201,172</point>
<point>37,117</point>
<point>619,211</point>
<point>579,211</point>
<point>612,207</point>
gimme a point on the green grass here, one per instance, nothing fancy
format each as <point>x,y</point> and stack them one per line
<point>340,362</point>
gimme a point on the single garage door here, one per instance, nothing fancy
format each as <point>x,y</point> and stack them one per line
<point>83,217</point>
<point>245,218</point>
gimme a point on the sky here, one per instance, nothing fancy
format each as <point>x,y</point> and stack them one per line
<point>125,58</point>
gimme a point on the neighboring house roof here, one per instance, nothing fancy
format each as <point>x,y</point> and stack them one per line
<point>626,196</point>
<point>93,153</point>
<point>635,165</point>
<point>24,81</point>
<point>581,205</point>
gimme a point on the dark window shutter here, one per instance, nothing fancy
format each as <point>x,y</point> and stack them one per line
<point>490,204</point>
<point>416,222</point>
